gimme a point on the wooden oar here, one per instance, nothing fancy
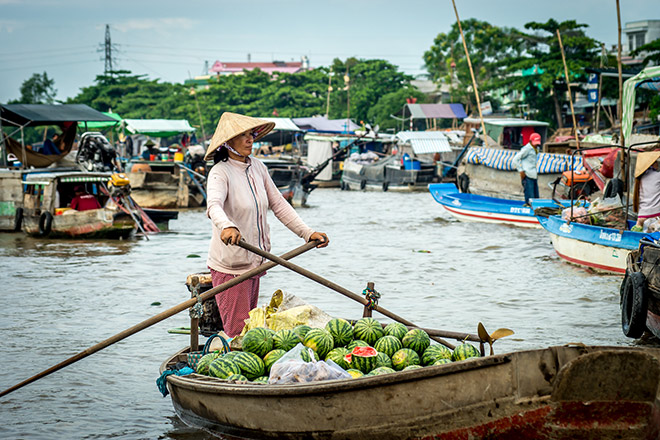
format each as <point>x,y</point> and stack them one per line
<point>161,316</point>
<point>333,286</point>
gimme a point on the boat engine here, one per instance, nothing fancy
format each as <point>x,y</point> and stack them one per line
<point>95,153</point>
<point>119,185</point>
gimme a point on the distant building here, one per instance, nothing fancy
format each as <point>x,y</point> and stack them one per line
<point>637,34</point>
<point>237,68</point>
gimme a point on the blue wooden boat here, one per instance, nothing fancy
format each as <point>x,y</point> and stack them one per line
<point>597,247</point>
<point>473,207</point>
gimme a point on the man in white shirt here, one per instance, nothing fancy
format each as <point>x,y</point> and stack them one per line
<point>525,163</point>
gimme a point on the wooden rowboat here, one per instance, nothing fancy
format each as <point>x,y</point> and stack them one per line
<point>478,208</point>
<point>552,393</point>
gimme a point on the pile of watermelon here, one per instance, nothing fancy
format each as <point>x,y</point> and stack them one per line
<point>363,349</point>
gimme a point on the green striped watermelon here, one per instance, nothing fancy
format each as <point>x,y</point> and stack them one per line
<point>258,341</point>
<point>304,355</point>
<point>442,361</point>
<point>388,345</point>
<point>261,379</point>
<point>341,331</point>
<point>205,362</point>
<point>237,378</point>
<point>301,331</point>
<point>250,364</point>
<point>362,358</point>
<point>412,367</point>
<point>231,355</point>
<point>464,351</point>
<point>337,356</point>
<point>272,357</point>
<point>416,339</point>
<point>383,360</point>
<point>396,329</point>
<point>355,373</point>
<point>223,368</point>
<point>435,352</point>
<point>357,343</point>
<point>285,339</point>
<point>319,340</point>
<point>403,358</point>
<point>381,370</point>
<point>368,329</point>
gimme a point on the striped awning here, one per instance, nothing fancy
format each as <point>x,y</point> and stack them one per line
<point>500,159</point>
<point>77,179</point>
<point>425,142</point>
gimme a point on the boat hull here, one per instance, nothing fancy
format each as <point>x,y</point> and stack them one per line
<point>478,208</point>
<point>553,393</point>
<point>601,249</point>
<point>95,223</point>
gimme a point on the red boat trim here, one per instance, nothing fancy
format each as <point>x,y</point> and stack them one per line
<point>535,221</point>
<point>589,264</point>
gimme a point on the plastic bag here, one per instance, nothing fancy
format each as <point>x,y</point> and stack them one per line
<point>608,212</point>
<point>291,368</point>
<point>285,311</point>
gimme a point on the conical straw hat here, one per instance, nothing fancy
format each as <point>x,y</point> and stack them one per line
<point>231,125</point>
<point>644,161</point>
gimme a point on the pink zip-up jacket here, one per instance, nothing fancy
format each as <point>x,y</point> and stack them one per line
<point>239,195</point>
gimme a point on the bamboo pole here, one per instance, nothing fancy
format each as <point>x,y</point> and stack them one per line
<point>568,84</point>
<point>337,288</point>
<point>162,316</point>
<point>474,81</point>
<point>625,157</point>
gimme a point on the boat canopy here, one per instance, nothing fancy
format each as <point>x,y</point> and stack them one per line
<point>30,115</point>
<point>425,142</point>
<point>434,111</point>
<point>157,127</point>
<point>321,123</point>
<point>101,125</point>
<point>283,124</point>
<point>648,78</point>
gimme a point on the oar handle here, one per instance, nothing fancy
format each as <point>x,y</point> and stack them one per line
<point>161,316</point>
<point>333,286</point>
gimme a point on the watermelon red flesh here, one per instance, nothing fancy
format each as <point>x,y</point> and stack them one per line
<point>363,359</point>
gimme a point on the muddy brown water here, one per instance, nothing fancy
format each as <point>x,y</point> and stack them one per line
<point>62,296</point>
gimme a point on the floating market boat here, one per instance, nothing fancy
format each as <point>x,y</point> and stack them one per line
<point>552,393</point>
<point>599,248</point>
<point>474,207</point>
<point>45,211</point>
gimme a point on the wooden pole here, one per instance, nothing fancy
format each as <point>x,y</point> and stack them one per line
<point>618,62</point>
<point>474,81</point>
<point>161,316</point>
<point>568,84</point>
<point>337,288</point>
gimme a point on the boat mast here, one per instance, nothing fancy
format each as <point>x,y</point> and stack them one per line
<point>474,81</point>
<point>568,84</point>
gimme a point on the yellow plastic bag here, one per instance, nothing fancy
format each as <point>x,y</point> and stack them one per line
<point>285,311</point>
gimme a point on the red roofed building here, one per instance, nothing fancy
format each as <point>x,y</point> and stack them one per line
<point>221,68</point>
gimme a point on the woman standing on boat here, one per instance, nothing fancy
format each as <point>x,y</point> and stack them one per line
<point>646,196</point>
<point>239,193</point>
<point>525,163</point>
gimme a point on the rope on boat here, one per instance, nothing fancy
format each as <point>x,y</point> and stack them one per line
<point>372,297</point>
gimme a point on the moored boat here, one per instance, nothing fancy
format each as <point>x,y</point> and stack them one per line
<point>552,393</point>
<point>474,207</point>
<point>599,248</point>
<point>46,214</point>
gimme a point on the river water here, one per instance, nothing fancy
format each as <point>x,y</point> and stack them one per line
<point>61,296</point>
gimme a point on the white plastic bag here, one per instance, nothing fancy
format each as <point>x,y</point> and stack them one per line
<point>291,368</point>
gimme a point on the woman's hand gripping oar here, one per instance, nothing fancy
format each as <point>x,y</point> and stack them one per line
<point>162,316</point>
<point>333,286</point>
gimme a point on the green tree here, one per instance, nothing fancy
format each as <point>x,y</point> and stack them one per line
<point>38,89</point>
<point>391,104</point>
<point>487,44</point>
<point>545,88</point>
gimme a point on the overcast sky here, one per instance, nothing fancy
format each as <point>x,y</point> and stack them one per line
<point>171,40</point>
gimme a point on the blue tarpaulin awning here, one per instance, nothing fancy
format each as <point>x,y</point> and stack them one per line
<point>434,111</point>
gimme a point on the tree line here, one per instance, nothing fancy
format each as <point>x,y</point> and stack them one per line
<point>523,64</point>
